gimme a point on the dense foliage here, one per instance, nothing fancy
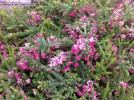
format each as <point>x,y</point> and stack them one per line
<point>68,50</point>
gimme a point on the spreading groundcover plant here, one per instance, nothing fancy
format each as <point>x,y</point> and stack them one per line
<point>68,50</point>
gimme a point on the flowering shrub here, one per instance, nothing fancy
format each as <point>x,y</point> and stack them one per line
<point>67,49</point>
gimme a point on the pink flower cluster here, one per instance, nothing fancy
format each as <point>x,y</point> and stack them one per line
<point>2,47</point>
<point>80,45</point>
<point>83,44</point>
<point>73,13</point>
<point>117,14</point>
<point>18,78</point>
<point>123,84</point>
<point>84,18</point>
<point>3,50</point>
<point>89,9</point>
<point>58,60</point>
<point>87,89</point>
<point>23,64</point>
<point>68,66</point>
<point>33,53</point>
<point>131,70</point>
<point>12,73</point>
<point>115,49</point>
<point>26,54</point>
<point>36,17</point>
<point>28,81</point>
<point>71,32</point>
<point>53,42</point>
